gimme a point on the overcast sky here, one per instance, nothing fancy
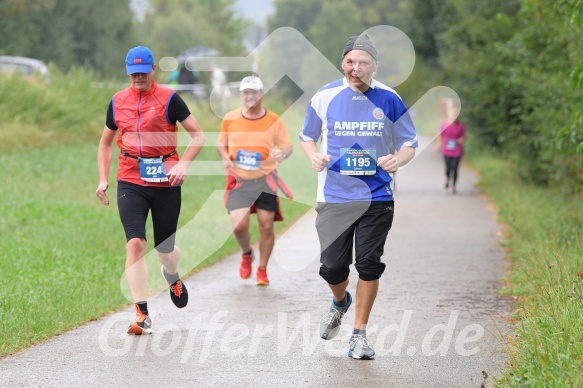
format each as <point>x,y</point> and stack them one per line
<point>255,10</point>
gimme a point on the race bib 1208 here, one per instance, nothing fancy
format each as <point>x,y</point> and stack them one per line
<point>248,160</point>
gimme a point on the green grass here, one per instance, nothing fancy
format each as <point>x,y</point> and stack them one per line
<point>63,252</point>
<point>545,244</point>
<point>35,115</point>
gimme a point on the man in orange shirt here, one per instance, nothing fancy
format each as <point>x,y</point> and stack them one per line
<point>252,141</point>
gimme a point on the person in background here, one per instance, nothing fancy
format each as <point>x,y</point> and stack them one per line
<point>358,120</point>
<point>220,89</point>
<point>144,118</point>
<point>187,77</point>
<point>451,145</point>
<point>252,142</point>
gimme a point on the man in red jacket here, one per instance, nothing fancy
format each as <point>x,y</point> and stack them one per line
<point>144,117</point>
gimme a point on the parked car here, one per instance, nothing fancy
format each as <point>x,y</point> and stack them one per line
<point>25,67</point>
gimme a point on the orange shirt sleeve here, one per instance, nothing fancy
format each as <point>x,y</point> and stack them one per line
<point>223,134</point>
<point>283,139</point>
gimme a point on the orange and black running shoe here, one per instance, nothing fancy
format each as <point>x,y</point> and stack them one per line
<point>179,294</point>
<point>142,325</point>
<point>178,291</point>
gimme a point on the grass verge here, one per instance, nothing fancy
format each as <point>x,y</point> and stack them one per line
<point>545,245</point>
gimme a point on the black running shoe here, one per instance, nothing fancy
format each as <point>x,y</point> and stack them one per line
<point>178,292</point>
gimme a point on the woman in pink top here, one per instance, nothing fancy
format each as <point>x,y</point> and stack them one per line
<point>452,138</point>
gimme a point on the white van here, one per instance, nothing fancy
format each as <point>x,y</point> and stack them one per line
<point>25,67</point>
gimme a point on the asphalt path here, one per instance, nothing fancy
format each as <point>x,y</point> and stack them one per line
<point>438,320</point>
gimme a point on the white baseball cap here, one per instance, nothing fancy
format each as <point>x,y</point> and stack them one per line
<point>251,82</point>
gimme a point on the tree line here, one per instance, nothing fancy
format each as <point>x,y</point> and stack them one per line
<point>97,35</point>
<point>515,63</point>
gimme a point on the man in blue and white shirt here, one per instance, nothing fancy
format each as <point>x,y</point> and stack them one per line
<point>356,118</point>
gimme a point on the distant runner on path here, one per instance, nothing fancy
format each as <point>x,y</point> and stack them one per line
<point>452,134</point>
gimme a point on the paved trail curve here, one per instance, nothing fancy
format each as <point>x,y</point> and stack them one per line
<point>437,322</point>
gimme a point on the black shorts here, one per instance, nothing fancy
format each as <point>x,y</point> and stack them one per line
<point>135,202</point>
<point>254,191</point>
<point>363,225</point>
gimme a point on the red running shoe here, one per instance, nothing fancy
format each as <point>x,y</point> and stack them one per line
<point>262,279</point>
<point>245,267</point>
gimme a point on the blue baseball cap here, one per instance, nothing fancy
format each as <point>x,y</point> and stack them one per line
<point>139,60</point>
